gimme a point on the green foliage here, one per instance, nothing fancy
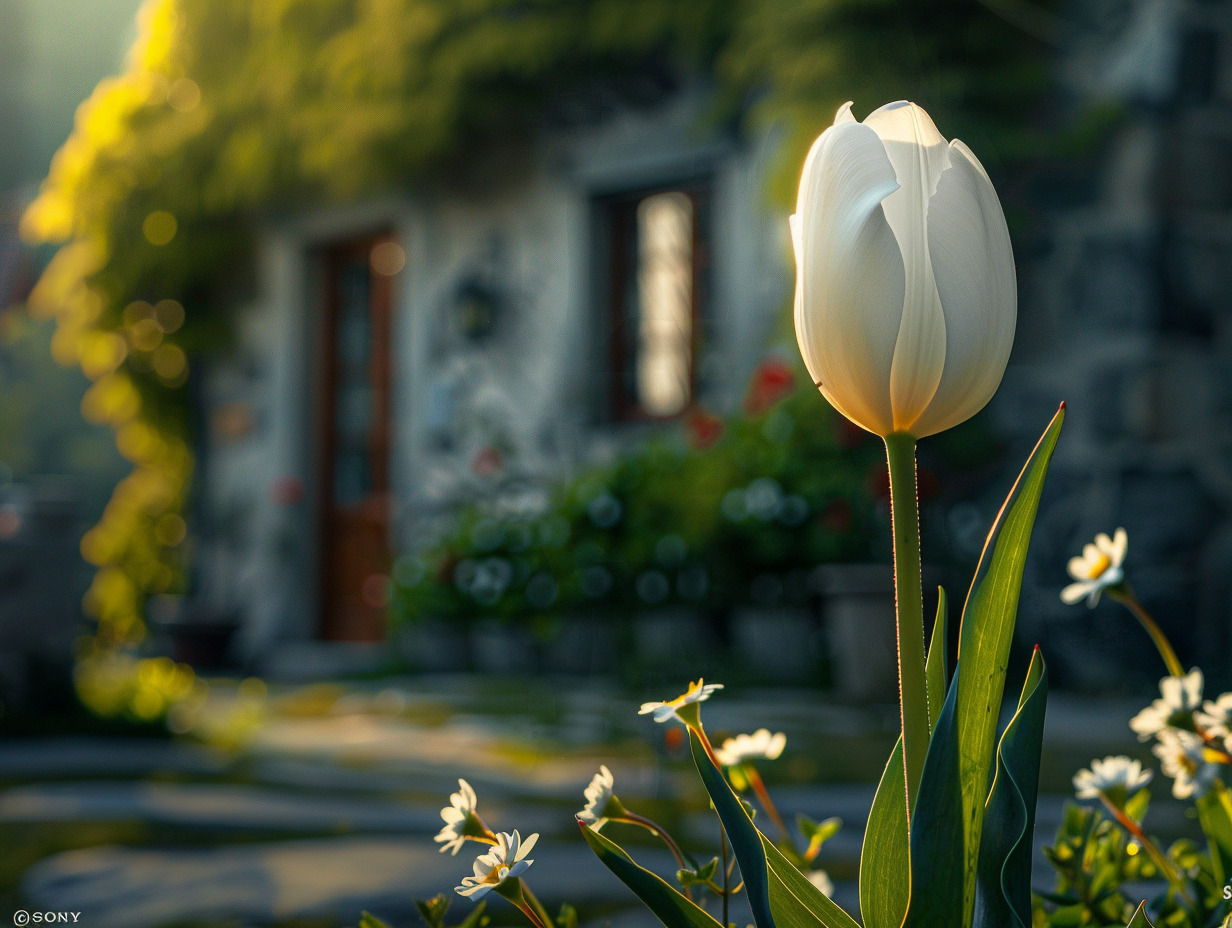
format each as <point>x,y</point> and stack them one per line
<point>1003,894</point>
<point>234,109</point>
<point>368,920</point>
<point>778,893</point>
<point>935,881</point>
<point>648,529</point>
<point>433,911</point>
<point>668,905</point>
<point>1092,860</point>
<point>885,862</point>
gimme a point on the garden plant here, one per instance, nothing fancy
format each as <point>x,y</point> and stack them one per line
<point>905,311</point>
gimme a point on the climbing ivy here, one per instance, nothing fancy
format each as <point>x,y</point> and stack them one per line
<point>231,110</point>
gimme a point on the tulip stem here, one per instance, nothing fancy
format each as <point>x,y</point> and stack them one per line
<point>909,608</point>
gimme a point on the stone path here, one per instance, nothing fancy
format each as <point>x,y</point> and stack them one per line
<point>329,812</point>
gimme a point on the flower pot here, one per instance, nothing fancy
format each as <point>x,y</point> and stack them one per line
<point>434,646</point>
<point>503,648</point>
<point>583,644</point>
<point>858,611</point>
<point>779,644</point>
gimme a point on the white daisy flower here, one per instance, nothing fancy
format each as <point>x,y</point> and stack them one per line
<point>697,692</point>
<point>601,802</point>
<point>1098,568</point>
<point>503,862</point>
<point>460,820</point>
<point>1179,698</point>
<point>1183,756</point>
<point>1118,775</point>
<point>1215,717</point>
<point>757,746</point>
<point>822,881</point>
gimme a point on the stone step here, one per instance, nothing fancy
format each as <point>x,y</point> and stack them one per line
<point>142,888</point>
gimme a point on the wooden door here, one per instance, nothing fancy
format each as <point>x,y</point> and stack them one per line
<point>355,407</point>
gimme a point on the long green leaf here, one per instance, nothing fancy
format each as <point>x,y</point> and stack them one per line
<point>778,893</point>
<point>885,861</point>
<point>1215,817</point>
<point>1003,892</point>
<point>669,905</point>
<point>938,850</point>
<point>984,642</point>
<point>1140,920</point>
<point>935,671</point>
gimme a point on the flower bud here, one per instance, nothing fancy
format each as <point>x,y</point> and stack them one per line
<point>905,293</point>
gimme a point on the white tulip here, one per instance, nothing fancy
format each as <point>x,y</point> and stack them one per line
<point>905,294</point>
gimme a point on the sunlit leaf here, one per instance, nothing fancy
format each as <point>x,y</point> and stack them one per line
<point>668,904</point>
<point>948,822</point>
<point>1003,892</point>
<point>778,893</point>
<point>885,863</point>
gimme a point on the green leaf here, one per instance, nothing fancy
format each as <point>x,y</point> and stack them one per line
<point>1215,817</point>
<point>963,745</point>
<point>885,863</point>
<point>934,666</point>
<point>938,849</point>
<point>778,893</point>
<point>1140,920</point>
<point>1003,892</point>
<point>368,920</point>
<point>432,911</point>
<point>668,905</point>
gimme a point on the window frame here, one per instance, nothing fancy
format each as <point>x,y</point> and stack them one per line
<point>615,241</point>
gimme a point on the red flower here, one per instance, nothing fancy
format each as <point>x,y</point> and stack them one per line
<point>703,428</point>
<point>487,461</point>
<point>772,380</point>
<point>286,490</point>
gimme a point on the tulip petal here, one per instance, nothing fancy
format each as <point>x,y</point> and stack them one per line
<point>920,157</point>
<point>850,285</point>
<point>844,114</point>
<point>973,266</point>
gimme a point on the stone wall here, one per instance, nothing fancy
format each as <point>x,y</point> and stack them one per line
<point>1125,315</point>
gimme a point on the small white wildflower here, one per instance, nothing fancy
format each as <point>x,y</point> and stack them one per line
<point>1098,568</point>
<point>822,881</point>
<point>1117,775</point>
<point>601,803</point>
<point>761,744</point>
<point>503,862</point>
<point>459,818</point>
<point>697,692</point>
<point>1183,756</point>
<point>1179,697</point>
<point>1215,717</point>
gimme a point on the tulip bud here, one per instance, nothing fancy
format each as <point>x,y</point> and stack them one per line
<point>905,293</point>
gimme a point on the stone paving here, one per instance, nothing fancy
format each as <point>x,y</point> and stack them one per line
<point>328,812</point>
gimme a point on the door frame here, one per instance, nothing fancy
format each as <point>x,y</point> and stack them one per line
<point>330,256</point>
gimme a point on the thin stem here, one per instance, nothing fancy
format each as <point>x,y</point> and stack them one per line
<point>1126,597</point>
<point>759,789</point>
<point>726,872</point>
<point>530,913</point>
<point>656,829</point>
<point>536,904</point>
<point>909,606</point>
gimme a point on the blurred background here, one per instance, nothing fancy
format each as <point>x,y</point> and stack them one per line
<point>395,389</point>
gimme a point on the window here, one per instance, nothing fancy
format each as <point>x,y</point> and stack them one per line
<point>655,249</point>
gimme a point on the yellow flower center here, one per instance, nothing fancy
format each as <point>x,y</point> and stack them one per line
<point>1102,563</point>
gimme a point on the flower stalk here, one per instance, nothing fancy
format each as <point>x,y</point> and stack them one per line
<point>909,608</point>
<point>1125,596</point>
